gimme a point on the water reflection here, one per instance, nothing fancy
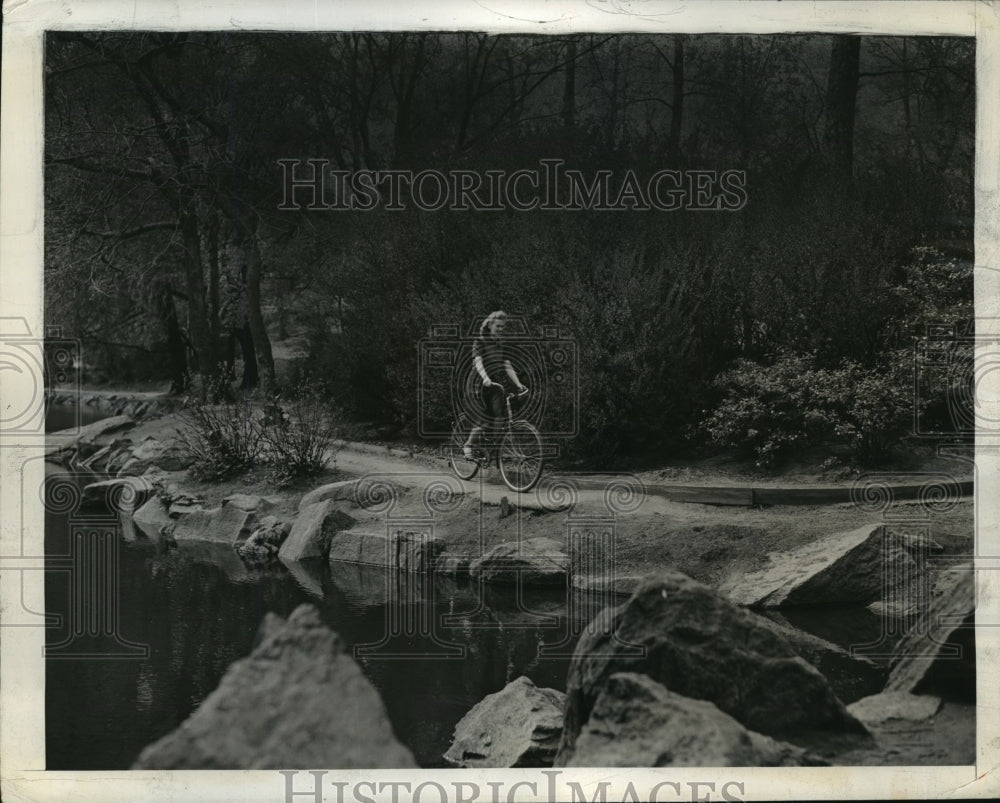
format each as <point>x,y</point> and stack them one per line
<point>63,416</point>
<point>198,607</point>
<point>433,650</point>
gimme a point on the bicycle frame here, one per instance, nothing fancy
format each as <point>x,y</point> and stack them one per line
<point>503,443</point>
<point>491,440</point>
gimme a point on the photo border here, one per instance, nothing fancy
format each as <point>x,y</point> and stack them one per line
<point>22,667</point>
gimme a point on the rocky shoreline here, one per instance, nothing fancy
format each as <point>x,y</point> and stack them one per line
<point>691,681</point>
<point>737,684</point>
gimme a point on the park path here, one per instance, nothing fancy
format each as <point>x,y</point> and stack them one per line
<point>364,458</point>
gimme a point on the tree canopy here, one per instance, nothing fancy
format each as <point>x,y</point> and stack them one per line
<point>167,251</point>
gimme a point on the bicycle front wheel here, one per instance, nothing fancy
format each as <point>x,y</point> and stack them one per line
<point>521,457</point>
<point>464,468</point>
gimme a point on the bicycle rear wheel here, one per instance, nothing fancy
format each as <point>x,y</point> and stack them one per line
<point>464,468</point>
<point>520,457</point>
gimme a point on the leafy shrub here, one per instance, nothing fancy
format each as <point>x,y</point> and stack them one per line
<point>767,411</point>
<point>300,428</point>
<point>871,410</point>
<point>771,411</point>
<point>223,439</point>
<point>292,433</point>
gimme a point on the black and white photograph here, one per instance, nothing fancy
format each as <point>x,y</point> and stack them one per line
<point>596,407</point>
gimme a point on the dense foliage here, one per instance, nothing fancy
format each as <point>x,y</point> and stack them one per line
<point>789,321</point>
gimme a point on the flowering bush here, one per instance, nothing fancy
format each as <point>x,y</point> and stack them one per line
<point>771,411</point>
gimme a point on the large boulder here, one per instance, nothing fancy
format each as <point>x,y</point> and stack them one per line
<point>415,551</point>
<point>56,442</point>
<point>125,493</point>
<point>265,541</point>
<point>403,550</point>
<point>184,505</point>
<point>151,518</point>
<point>360,547</point>
<point>95,460</point>
<point>363,492</point>
<point>895,705</point>
<point>298,701</point>
<point>120,454</point>
<point>536,561</point>
<point>697,644</point>
<point>844,568</point>
<point>342,491</point>
<point>248,502</point>
<point>636,722</point>
<point>938,654</point>
<point>227,524</point>
<point>519,726</point>
<point>313,530</point>
<point>852,675</point>
<point>168,456</point>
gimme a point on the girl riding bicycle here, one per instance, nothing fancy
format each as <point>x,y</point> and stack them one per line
<point>489,358</point>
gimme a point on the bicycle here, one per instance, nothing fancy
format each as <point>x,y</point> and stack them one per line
<point>518,451</point>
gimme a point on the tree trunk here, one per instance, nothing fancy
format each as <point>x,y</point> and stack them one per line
<point>254,316</point>
<point>841,99</point>
<point>251,375</point>
<point>201,337</point>
<point>229,353</point>
<point>176,350</point>
<point>212,252</point>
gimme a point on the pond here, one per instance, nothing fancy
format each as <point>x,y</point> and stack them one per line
<point>198,607</point>
<point>176,618</point>
<point>62,416</point>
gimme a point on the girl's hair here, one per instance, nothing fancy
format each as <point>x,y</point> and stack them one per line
<point>488,320</point>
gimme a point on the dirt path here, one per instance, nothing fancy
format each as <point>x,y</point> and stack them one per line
<point>707,542</point>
